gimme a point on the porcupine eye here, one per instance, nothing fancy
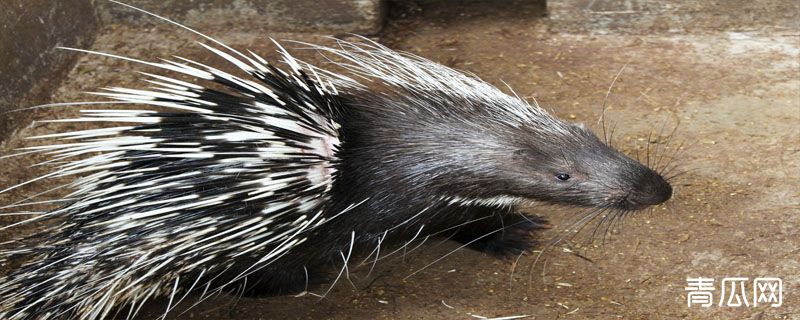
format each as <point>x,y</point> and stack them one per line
<point>562,176</point>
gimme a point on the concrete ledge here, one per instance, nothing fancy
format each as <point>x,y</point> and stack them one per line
<point>355,16</point>
<point>30,66</point>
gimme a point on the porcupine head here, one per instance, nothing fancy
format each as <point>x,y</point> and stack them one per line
<point>423,149</point>
<point>436,133</point>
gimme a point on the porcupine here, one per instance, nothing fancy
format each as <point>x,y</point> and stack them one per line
<point>264,180</point>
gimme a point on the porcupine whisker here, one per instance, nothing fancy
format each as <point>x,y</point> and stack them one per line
<point>345,264</point>
<point>673,175</point>
<point>679,152</point>
<point>400,248</point>
<point>666,145</point>
<point>541,252</point>
<point>451,252</point>
<point>670,158</point>
<point>584,214</point>
<point>344,259</point>
<point>574,222</point>
<point>132,306</point>
<point>607,216</point>
<point>406,252</point>
<point>377,255</point>
<point>653,140</point>
<point>636,151</point>
<point>189,290</point>
<point>612,129</point>
<point>376,251</point>
<point>172,296</point>
<point>616,215</point>
<point>444,240</point>
<point>203,296</point>
<point>671,206</point>
<point>576,228</point>
<point>305,285</point>
<point>305,271</point>
<point>253,268</point>
<point>658,142</point>
<point>208,293</point>
<point>602,119</point>
<point>624,214</point>
<point>606,220</point>
<point>514,269</point>
<point>409,219</point>
<point>458,226</point>
<point>590,215</point>
<point>147,296</point>
<point>344,211</point>
<point>657,151</point>
<point>258,265</point>
<point>239,294</point>
<point>647,148</point>
<point>523,216</point>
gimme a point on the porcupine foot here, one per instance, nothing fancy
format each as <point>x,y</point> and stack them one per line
<point>516,237</point>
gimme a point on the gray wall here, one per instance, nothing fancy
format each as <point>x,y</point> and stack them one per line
<point>30,67</point>
<point>355,16</point>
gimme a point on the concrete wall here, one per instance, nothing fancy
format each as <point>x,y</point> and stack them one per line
<point>30,66</point>
<point>330,16</point>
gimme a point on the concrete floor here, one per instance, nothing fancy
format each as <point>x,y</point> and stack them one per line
<point>732,91</point>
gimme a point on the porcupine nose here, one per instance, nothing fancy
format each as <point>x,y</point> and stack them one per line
<point>651,189</point>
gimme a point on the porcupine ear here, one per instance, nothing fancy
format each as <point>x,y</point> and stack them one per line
<point>195,165</point>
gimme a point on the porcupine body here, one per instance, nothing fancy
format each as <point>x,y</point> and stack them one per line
<point>265,180</point>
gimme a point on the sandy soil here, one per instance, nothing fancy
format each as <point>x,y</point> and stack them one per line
<point>734,97</point>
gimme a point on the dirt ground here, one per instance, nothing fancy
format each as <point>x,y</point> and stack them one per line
<point>733,93</point>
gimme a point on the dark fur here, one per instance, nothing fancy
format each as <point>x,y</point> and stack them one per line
<point>404,158</point>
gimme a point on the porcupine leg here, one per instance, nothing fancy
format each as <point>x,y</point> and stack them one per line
<point>512,232</point>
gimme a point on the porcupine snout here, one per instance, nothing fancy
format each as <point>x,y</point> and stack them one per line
<point>649,189</point>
